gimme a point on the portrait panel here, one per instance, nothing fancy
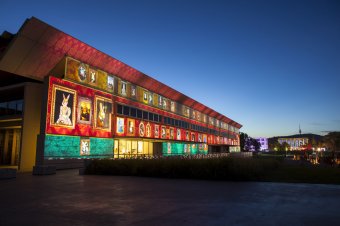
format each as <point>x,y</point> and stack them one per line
<point>172,133</point>
<point>93,77</point>
<point>160,101</point>
<point>84,110</point>
<point>200,137</point>
<point>172,106</point>
<point>133,93</point>
<point>103,111</point>
<point>83,71</point>
<point>145,96</point>
<point>110,83</point>
<point>150,99</point>
<point>84,146</point>
<point>122,88</point>
<point>148,130</point>
<point>141,129</point>
<point>187,136</point>
<point>120,126</point>
<point>163,132</point>
<point>193,137</point>
<point>156,131</point>
<point>63,107</point>
<point>178,135</point>
<point>130,127</point>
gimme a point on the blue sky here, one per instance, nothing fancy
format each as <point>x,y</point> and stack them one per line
<point>269,65</point>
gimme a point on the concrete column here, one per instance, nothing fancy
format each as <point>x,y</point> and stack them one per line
<point>31,125</point>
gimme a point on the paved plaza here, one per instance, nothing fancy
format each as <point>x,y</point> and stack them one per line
<point>68,198</point>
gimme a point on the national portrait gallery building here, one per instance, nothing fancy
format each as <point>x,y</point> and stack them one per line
<point>62,101</point>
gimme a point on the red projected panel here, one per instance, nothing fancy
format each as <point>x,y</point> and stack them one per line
<point>73,109</point>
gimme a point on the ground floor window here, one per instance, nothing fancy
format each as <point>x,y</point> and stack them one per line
<point>10,146</point>
<point>125,148</point>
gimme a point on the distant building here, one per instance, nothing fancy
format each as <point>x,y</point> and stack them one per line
<point>295,143</point>
<point>263,142</point>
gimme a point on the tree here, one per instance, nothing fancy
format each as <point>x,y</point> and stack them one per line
<point>255,144</point>
<point>274,145</point>
<point>248,143</point>
<point>332,141</point>
<point>284,146</point>
<point>243,139</point>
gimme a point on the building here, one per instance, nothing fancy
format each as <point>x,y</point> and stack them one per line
<point>63,101</point>
<point>295,143</point>
<point>263,142</point>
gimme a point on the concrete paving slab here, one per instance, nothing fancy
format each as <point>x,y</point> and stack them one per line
<point>68,198</point>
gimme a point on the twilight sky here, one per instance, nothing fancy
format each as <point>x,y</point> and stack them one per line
<point>269,65</point>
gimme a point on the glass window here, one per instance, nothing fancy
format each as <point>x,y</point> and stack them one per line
<point>12,105</point>
<point>119,109</point>
<point>19,105</point>
<point>133,112</point>
<point>126,110</point>
<point>151,116</point>
<point>139,113</point>
<point>155,117</point>
<point>134,147</point>
<point>145,115</point>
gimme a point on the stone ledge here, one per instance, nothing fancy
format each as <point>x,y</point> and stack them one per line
<point>8,173</point>
<point>44,170</point>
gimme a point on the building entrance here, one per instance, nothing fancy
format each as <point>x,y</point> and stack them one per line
<point>9,146</point>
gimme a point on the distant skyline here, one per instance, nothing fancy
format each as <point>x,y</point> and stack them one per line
<point>268,65</point>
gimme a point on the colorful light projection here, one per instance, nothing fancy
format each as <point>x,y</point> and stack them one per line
<point>57,146</point>
<point>179,148</point>
<point>138,128</point>
<point>156,131</point>
<point>148,130</point>
<point>84,147</point>
<point>141,129</point>
<point>120,130</point>
<point>83,73</point>
<point>131,131</point>
<point>103,111</point>
<point>63,107</point>
<point>133,92</point>
<point>68,101</point>
<point>84,110</point>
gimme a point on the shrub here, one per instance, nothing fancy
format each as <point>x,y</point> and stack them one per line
<point>209,169</point>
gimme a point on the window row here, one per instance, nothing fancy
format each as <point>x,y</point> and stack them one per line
<point>11,107</point>
<point>145,115</point>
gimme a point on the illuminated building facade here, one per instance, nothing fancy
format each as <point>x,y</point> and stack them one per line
<point>295,143</point>
<point>263,142</point>
<point>74,102</point>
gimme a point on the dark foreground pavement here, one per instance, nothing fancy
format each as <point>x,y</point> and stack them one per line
<point>70,199</point>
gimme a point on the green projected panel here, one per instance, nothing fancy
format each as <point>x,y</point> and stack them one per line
<point>59,146</point>
<point>194,149</point>
<point>101,147</point>
<point>169,149</point>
